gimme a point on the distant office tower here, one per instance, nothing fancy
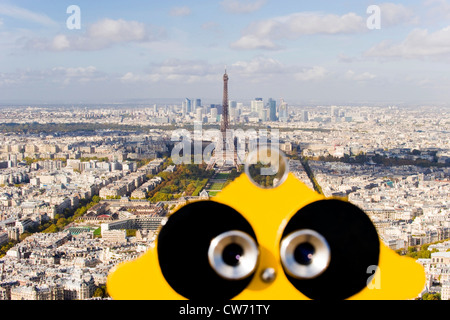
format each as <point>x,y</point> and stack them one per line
<point>198,103</point>
<point>272,104</point>
<point>283,114</point>
<point>199,114</point>
<point>206,110</point>
<point>257,105</point>
<point>264,114</point>
<point>188,106</point>
<point>232,114</point>
<point>214,114</point>
<point>334,112</point>
<point>218,107</point>
<point>232,109</point>
<point>305,116</point>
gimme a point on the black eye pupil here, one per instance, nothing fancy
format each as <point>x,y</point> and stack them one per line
<point>232,254</point>
<point>303,254</point>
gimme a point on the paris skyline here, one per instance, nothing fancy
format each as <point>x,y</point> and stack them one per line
<point>310,53</point>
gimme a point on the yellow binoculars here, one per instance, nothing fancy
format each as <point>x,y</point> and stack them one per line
<point>252,243</point>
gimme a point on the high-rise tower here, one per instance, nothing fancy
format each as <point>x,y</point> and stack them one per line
<point>272,110</point>
<point>225,151</point>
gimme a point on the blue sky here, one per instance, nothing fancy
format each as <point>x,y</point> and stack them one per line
<point>307,52</point>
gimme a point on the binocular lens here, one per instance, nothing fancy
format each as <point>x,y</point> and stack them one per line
<point>326,248</point>
<point>305,254</point>
<point>233,255</point>
<point>222,246</point>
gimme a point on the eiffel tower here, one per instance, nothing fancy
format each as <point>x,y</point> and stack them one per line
<point>220,156</point>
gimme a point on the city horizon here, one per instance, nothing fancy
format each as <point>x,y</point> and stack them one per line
<point>150,102</point>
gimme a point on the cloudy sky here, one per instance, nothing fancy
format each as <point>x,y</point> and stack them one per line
<point>307,52</point>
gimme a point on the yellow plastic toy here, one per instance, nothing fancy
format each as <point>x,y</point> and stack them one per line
<point>253,243</point>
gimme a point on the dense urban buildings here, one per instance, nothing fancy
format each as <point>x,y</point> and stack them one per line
<point>393,162</point>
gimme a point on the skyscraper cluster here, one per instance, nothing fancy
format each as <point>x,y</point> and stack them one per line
<point>269,111</point>
<point>191,105</point>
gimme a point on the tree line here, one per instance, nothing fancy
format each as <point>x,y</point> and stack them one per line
<point>381,160</point>
<point>187,179</point>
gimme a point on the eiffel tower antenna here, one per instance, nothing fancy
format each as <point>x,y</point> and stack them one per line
<point>225,115</point>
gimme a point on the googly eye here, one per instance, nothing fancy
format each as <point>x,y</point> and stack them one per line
<point>233,255</point>
<point>207,250</point>
<point>326,248</point>
<point>305,254</point>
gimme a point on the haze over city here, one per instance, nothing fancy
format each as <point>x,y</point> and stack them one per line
<point>304,52</point>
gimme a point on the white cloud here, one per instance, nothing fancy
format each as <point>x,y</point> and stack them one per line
<point>251,42</point>
<point>242,6</point>
<point>54,76</point>
<point>347,59</point>
<point>129,76</point>
<point>258,66</point>
<point>257,70</point>
<point>420,43</point>
<point>175,70</point>
<point>394,14</point>
<point>438,9</point>
<point>24,14</point>
<point>311,74</point>
<point>180,11</point>
<point>60,42</point>
<point>7,79</point>
<point>102,34</point>
<point>78,74</point>
<point>351,75</point>
<point>264,34</point>
<point>262,69</point>
<point>185,67</point>
<point>115,31</point>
